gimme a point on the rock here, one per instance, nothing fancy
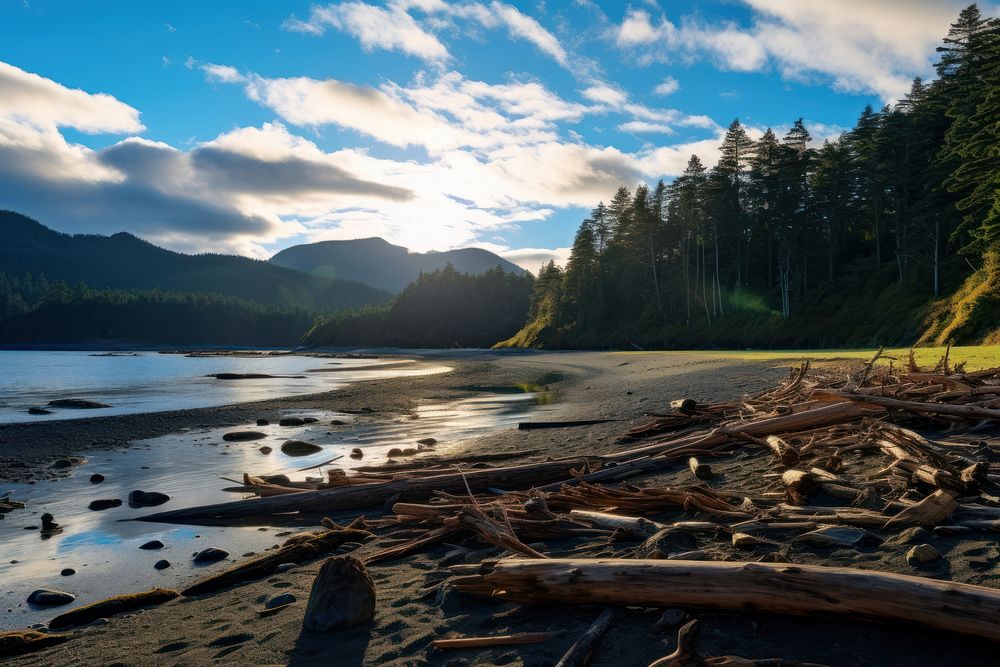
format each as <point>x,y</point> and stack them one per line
<point>428,442</point>
<point>147,498</point>
<point>290,421</point>
<point>242,436</point>
<point>39,411</point>
<point>666,542</point>
<point>96,478</point>
<point>62,463</point>
<point>44,597</point>
<point>837,536</point>
<point>356,453</point>
<point>671,618</point>
<point>151,545</point>
<point>922,554</point>
<point>915,535</point>
<point>104,504</point>
<point>299,448</point>
<point>745,541</point>
<point>162,564</point>
<point>67,572</point>
<point>265,450</point>
<point>211,555</point>
<point>309,420</point>
<point>48,522</point>
<point>342,595</point>
<point>77,404</point>
<point>284,567</point>
<point>280,601</point>
<point>338,422</point>
<point>262,422</point>
<point>281,480</point>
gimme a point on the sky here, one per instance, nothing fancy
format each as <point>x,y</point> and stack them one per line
<point>247,127</point>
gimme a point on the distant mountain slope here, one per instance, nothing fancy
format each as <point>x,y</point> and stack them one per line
<point>378,263</point>
<point>125,261</point>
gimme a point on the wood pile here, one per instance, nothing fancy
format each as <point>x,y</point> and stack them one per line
<point>827,460</point>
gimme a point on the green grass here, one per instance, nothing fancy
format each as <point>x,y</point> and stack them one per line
<point>975,357</point>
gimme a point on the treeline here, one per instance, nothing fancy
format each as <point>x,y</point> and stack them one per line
<point>36,310</point>
<point>781,243</point>
<point>440,309</point>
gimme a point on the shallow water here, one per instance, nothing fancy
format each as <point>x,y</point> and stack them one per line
<point>104,550</point>
<point>152,382</point>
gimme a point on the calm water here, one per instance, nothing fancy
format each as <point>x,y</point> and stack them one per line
<point>152,382</point>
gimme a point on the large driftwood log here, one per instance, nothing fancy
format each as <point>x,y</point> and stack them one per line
<point>324,501</point>
<point>293,551</point>
<point>916,407</point>
<point>764,587</point>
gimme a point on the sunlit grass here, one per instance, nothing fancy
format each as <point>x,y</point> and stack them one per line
<point>975,356</point>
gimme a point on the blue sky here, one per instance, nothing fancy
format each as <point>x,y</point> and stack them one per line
<point>249,126</point>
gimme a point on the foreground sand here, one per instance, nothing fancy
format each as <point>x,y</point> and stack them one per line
<point>226,629</point>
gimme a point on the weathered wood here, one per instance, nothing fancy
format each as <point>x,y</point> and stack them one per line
<point>686,655</point>
<point>22,642</point>
<point>917,407</point>
<point>293,551</point>
<point>495,640</point>
<point>930,511</point>
<point>739,586</point>
<point>119,604</point>
<point>580,651</point>
<point>324,501</point>
<point>700,470</point>
<point>491,531</point>
<point>430,538</point>
<point>638,525</point>
<point>782,450</point>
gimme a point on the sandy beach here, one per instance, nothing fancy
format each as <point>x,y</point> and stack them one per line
<point>226,628</point>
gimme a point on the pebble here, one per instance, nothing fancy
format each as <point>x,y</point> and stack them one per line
<point>210,555</point>
<point>96,478</point>
<point>44,597</point>
<point>104,503</point>
<point>338,422</point>
<point>162,564</point>
<point>265,450</point>
<point>299,448</point>
<point>68,572</point>
<point>39,411</point>
<point>290,421</point>
<point>427,441</point>
<point>262,422</point>
<point>48,522</point>
<point>922,554</point>
<point>356,453</point>
<point>241,436</point>
<point>147,498</point>
<point>280,601</point>
<point>152,544</point>
<point>309,420</point>
<point>285,567</point>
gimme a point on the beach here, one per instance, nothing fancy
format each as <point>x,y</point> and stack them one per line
<point>228,628</point>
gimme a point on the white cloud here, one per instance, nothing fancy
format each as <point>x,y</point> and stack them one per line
<point>527,28</point>
<point>392,29</point>
<point>668,86</point>
<point>44,103</point>
<point>855,45</point>
<point>605,94</point>
<point>645,127</point>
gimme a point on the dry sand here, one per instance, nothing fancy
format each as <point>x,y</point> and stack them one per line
<point>226,629</point>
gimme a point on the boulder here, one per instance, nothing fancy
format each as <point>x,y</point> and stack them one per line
<point>44,597</point>
<point>342,595</point>
<point>151,545</point>
<point>104,504</point>
<point>290,421</point>
<point>242,436</point>
<point>211,555</point>
<point>162,564</point>
<point>147,498</point>
<point>299,448</point>
<point>67,572</point>
<point>96,478</point>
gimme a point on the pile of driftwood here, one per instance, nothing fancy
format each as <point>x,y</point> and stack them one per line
<point>836,459</point>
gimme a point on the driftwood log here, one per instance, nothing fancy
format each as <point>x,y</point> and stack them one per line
<point>734,586</point>
<point>580,651</point>
<point>119,604</point>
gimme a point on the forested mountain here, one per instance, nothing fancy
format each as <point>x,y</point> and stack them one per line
<point>890,233</point>
<point>444,308</point>
<point>49,312</point>
<point>123,261</point>
<point>378,263</point>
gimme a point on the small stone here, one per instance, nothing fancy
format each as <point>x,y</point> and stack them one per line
<point>68,572</point>
<point>104,503</point>
<point>96,478</point>
<point>915,535</point>
<point>147,498</point>
<point>290,421</point>
<point>100,621</point>
<point>262,422</point>
<point>429,442</point>
<point>242,436</point>
<point>280,601</point>
<point>48,523</point>
<point>309,420</point>
<point>299,448</point>
<point>671,618</point>
<point>44,597</point>
<point>77,404</point>
<point>265,450</point>
<point>62,463</point>
<point>285,567</point>
<point>338,422</point>
<point>356,453</point>
<point>211,555</point>
<point>342,595</point>
<point>151,545</point>
<point>922,554</point>
<point>162,564</point>
<point>39,411</point>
